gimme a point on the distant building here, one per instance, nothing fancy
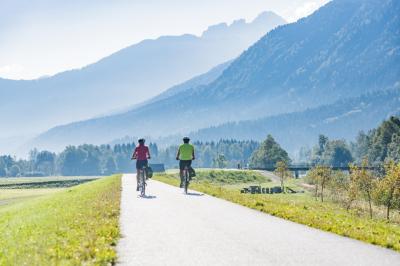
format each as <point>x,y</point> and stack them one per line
<point>157,167</point>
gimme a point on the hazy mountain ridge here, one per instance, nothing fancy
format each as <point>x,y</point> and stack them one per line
<point>345,49</point>
<point>124,78</point>
<point>45,140</point>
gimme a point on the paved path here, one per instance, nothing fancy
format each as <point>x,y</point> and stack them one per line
<point>170,228</point>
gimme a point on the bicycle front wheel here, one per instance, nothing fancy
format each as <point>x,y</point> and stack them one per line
<point>186,185</point>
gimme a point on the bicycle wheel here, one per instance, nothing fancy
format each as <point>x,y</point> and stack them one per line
<point>143,181</point>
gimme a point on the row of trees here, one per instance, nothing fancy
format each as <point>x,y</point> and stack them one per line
<point>73,160</point>
<point>104,159</point>
<point>360,185</point>
<point>327,152</point>
<point>379,145</point>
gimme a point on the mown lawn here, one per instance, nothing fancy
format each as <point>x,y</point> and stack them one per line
<point>302,208</point>
<point>75,226</point>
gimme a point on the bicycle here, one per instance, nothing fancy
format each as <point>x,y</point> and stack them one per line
<point>186,179</point>
<point>142,181</point>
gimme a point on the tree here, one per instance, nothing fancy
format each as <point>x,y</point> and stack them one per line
<point>362,146</point>
<point>14,170</point>
<point>320,175</point>
<point>91,165</point>
<point>153,149</point>
<point>338,185</point>
<point>220,161</point>
<point>268,154</point>
<point>364,182</point>
<point>337,153</point>
<point>381,139</point>
<point>7,161</point>
<point>3,171</point>
<point>45,162</point>
<point>283,172</point>
<point>70,161</point>
<point>387,191</point>
<point>111,166</point>
<point>394,148</point>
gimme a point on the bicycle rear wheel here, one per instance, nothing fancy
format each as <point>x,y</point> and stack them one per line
<point>186,184</point>
<point>143,181</point>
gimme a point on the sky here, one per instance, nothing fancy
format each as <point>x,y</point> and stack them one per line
<point>40,38</point>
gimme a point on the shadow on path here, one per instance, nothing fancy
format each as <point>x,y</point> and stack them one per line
<point>194,194</point>
<point>147,197</point>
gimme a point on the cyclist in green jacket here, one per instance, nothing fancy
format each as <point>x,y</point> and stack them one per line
<point>185,156</point>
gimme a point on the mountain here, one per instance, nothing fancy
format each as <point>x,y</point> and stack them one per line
<point>45,140</point>
<point>125,78</point>
<point>345,49</point>
<point>340,120</point>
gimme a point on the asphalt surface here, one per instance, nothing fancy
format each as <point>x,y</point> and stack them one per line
<point>170,228</point>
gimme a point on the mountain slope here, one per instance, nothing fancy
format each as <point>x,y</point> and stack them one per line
<point>45,140</point>
<point>124,78</point>
<point>341,120</point>
<point>345,49</point>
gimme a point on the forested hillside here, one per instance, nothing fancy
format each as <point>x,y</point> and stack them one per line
<point>341,120</point>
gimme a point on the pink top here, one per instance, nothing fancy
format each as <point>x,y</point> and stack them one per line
<point>142,152</point>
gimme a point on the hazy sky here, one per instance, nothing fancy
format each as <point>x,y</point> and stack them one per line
<point>43,37</point>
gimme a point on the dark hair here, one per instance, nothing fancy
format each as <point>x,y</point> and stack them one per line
<point>141,140</point>
<point>186,139</point>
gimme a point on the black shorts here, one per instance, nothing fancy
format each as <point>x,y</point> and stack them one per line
<point>184,163</point>
<point>141,163</point>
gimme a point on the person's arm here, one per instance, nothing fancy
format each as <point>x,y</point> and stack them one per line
<point>193,157</point>
<point>134,155</point>
<point>178,153</point>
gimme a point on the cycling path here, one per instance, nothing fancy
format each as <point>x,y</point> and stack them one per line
<point>170,228</point>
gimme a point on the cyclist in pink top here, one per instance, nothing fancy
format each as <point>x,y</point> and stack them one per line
<point>141,154</point>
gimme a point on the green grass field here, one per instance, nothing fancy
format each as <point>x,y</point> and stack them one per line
<point>9,197</point>
<point>302,208</point>
<point>60,226</point>
<point>230,177</point>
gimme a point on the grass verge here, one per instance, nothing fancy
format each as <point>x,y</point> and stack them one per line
<point>302,208</point>
<point>73,227</point>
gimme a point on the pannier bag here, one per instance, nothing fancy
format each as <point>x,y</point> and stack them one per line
<point>192,173</point>
<point>149,172</point>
